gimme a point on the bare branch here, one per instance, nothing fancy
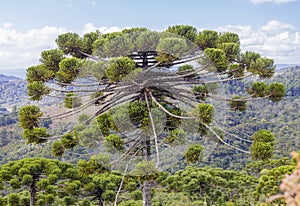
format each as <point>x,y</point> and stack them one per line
<point>153,129</point>
<point>225,143</point>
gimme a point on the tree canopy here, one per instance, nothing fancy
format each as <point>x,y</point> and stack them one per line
<point>145,98</point>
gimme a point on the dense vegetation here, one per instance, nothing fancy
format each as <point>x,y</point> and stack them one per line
<point>95,180</point>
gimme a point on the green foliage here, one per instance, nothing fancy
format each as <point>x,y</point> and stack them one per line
<point>82,118</point>
<point>194,153</point>
<point>269,181</point>
<point>14,183</point>
<point>68,141</point>
<point>257,168</point>
<point>254,63</point>
<point>50,59</point>
<point>177,47</point>
<point>248,59</point>
<point>207,39</point>
<point>96,164</point>
<point>232,50</point>
<point>70,43</point>
<point>228,37</point>
<point>262,146</point>
<point>172,199</point>
<point>57,149</point>
<point>147,41</point>
<point>27,179</point>
<point>218,58</point>
<point>184,31</point>
<point>34,177</point>
<point>214,185</point>
<point>237,104</point>
<point>258,89</point>
<point>116,47</point>
<point>35,135</point>
<point>68,70</point>
<point>264,67</point>
<point>102,186</point>
<point>88,41</point>
<point>205,113</point>
<point>261,150</point>
<point>118,44</point>
<point>105,123</point>
<point>29,116</point>
<point>95,69</point>
<point>36,90</point>
<point>2,201</point>
<point>145,170</point>
<point>263,136</point>
<point>98,45</point>
<point>201,92</point>
<point>115,141</point>
<point>136,195</point>
<point>186,69</point>
<point>138,112</point>
<point>13,199</point>
<point>176,137</point>
<point>38,73</point>
<point>119,68</point>
<point>92,178</point>
<point>276,91</point>
<point>236,71</point>
<point>72,101</point>
<point>136,30</point>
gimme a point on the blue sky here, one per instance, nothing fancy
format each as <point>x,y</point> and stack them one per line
<point>271,27</point>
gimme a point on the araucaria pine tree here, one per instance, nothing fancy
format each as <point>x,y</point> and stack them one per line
<point>155,95</point>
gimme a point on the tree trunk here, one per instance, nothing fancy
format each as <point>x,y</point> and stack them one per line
<point>147,194</point>
<point>33,191</point>
<point>99,196</point>
<point>146,186</point>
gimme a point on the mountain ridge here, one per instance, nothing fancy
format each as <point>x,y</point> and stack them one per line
<point>6,78</point>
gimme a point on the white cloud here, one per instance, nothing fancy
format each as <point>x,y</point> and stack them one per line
<point>272,1</point>
<point>22,49</point>
<point>7,25</point>
<point>277,40</point>
<point>90,27</point>
<point>274,25</point>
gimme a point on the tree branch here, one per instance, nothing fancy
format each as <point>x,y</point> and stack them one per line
<point>153,128</point>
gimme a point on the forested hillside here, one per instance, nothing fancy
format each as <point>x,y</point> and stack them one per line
<point>281,118</point>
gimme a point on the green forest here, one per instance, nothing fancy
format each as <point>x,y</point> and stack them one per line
<point>179,117</point>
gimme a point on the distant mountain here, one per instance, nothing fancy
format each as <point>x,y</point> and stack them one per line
<point>20,73</point>
<point>4,78</point>
<point>287,69</point>
<point>280,67</point>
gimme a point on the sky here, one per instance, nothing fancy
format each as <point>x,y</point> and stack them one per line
<point>270,27</point>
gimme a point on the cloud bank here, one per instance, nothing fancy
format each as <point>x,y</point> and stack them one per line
<point>277,40</point>
<point>22,49</point>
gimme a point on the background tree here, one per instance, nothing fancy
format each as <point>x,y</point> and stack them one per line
<point>99,184</point>
<point>35,181</point>
<point>263,143</point>
<point>141,101</point>
<point>205,185</point>
<point>290,185</point>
